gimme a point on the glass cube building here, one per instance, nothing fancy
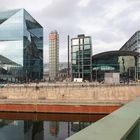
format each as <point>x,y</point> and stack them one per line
<point>81,57</point>
<point>21,42</point>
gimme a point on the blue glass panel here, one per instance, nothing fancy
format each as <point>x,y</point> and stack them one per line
<point>33,48</point>
<point>31,22</point>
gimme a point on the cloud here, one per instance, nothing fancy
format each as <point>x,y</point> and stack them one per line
<point>109,22</point>
<point>83,3</point>
<point>30,5</point>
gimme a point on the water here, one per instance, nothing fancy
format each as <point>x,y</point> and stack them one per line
<point>26,126</point>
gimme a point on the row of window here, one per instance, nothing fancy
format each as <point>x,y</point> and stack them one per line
<point>78,41</point>
<point>81,73</point>
<point>85,56</point>
<point>53,53</point>
<point>82,52</point>
<point>81,47</point>
<point>87,62</point>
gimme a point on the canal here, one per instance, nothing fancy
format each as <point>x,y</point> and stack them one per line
<point>34,126</point>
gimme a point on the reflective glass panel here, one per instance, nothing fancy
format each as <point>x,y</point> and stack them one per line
<point>12,50</point>
<point>86,47</point>
<point>75,48</point>
<point>81,47</point>
<point>33,47</point>
<point>81,40</point>
<point>73,61</point>
<point>74,55</point>
<point>86,40</point>
<point>75,42</point>
<point>12,28</point>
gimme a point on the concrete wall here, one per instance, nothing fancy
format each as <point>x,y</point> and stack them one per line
<point>112,94</point>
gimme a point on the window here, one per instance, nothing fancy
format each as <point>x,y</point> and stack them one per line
<point>81,41</point>
<point>73,62</point>
<point>86,67</point>
<point>75,42</point>
<point>74,55</point>
<point>81,47</point>
<point>87,54</point>
<point>86,40</point>
<point>86,62</point>
<point>75,48</point>
<point>86,47</point>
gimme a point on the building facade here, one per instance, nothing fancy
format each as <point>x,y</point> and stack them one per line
<point>53,55</point>
<point>122,62</point>
<point>133,44</point>
<point>21,41</point>
<point>81,57</point>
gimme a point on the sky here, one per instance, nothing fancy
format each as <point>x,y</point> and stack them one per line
<point>110,23</point>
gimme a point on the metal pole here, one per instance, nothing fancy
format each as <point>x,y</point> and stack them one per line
<point>68,58</point>
<point>96,75</point>
<point>68,129</point>
<point>135,73</point>
<point>26,76</point>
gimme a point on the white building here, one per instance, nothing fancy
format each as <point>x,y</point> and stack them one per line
<point>53,55</point>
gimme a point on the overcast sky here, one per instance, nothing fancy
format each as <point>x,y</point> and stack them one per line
<point>110,22</point>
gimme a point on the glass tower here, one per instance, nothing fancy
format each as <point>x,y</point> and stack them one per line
<point>133,44</point>
<point>21,42</point>
<point>53,55</point>
<point>81,57</point>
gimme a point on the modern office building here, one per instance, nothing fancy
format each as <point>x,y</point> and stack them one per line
<point>133,44</point>
<point>81,57</point>
<point>53,55</point>
<point>123,62</point>
<point>21,42</point>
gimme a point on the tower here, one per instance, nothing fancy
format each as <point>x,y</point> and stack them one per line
<point>81,57</point>
<point>53,55</point>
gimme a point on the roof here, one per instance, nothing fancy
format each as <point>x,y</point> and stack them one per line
<point>6,14</point>
<point>4,60</point>
<point>129,39</point>
<point>116,53</point>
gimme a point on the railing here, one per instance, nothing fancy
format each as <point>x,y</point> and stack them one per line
<point>123,124</point>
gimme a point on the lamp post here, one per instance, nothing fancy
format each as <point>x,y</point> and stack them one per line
<point>96,74</point>
<point>135,73</point>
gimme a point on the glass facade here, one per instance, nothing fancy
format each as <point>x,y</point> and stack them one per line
<point>124,63</point>
<point>133,44</point>
<point>81,54</point>
<point>21,41</point>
